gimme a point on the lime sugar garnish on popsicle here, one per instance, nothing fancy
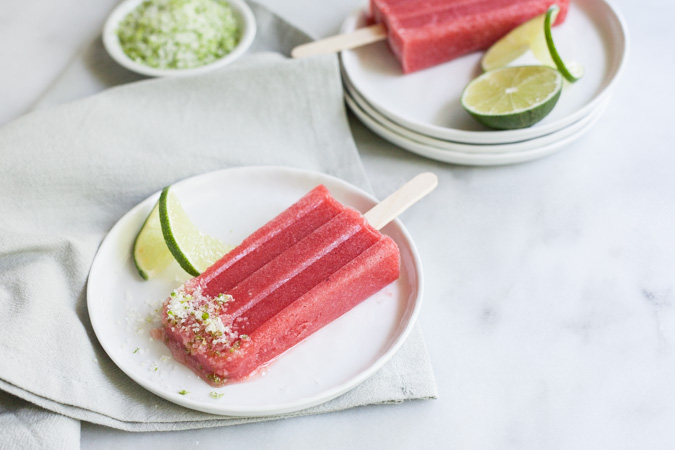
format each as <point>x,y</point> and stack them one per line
<point>422,34</point>
<point>304,268</point>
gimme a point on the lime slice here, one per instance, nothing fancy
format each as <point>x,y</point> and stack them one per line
<point>151,255</point>
<point>535,35</point>
<point>527,36</point>
<point>571,71</point>
<point>512,97</point>
<point>194,250</point>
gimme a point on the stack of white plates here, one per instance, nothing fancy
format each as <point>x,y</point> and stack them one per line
<point>421,112</point>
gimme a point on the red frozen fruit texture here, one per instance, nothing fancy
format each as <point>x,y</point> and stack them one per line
<point>424,33</point>
<point>297,273</point>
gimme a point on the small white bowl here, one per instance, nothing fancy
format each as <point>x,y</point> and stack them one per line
<point>111,42</point>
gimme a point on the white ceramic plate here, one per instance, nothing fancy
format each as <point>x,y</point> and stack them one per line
<point>471,159</point>
<point>111,42</point>
<point>230,204</point>
<point>529,144</point>
<point>427,101</point>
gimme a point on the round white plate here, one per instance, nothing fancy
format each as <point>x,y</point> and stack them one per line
<point>470,159</point>
<point>427,101</point>
<point>230,204</point>
<point>111,42</point>
<point>529,144</point>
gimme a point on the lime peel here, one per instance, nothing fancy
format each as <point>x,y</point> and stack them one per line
<point>573,71</point>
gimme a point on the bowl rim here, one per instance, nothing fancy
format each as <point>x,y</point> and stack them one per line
<point>112,44</point>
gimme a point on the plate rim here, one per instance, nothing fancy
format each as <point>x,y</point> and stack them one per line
<point>508,136</point>
<point>459,147</point>
<point>275,408</point>
<point>472,159</point>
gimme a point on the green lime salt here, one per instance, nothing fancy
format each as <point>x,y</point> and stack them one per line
<point>179,34</point>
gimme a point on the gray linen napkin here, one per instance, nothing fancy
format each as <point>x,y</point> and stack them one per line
<point>70,172</point>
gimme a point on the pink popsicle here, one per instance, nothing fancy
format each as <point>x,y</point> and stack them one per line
<point>425,33</point>
<point>276,236</point>
<point>300,271</point>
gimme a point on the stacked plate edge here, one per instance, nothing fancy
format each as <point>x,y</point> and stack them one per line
<point>420,112</point>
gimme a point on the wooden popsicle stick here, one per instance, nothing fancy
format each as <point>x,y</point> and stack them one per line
<point>340,42</point>
<point>408,194</point>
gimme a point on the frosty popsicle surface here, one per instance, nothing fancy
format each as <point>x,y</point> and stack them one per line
<point>424,33</point>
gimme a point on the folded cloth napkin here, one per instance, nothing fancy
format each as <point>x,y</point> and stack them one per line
<point>70,172</point>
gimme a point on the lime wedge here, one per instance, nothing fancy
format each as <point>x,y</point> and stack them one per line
<point>151,255</point>
<point>571,71</point>
<point>512,97</point>
<point>527,36</point>
<point>194,250</point>
<point>535,35</point>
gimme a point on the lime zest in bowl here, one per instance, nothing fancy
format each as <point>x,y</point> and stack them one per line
<point>179,34</point>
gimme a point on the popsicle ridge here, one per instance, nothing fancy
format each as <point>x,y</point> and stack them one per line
<point>424,34</point>
<point>314,208</point>
<point>357,280</point>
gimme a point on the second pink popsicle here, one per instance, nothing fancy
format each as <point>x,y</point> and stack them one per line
<point>425,33</point>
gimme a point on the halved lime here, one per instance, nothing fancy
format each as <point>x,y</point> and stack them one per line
<point>194,250</point>
<point>571,71</point>
<point>151,255</point>
<point>512,97</point>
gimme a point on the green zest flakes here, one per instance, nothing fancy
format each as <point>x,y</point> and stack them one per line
<point>215,394</point>
<point>184,392</point>
<point>179,34</point>
<point>216,379</point>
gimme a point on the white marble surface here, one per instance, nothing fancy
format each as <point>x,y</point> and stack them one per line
<point>549,312</point>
